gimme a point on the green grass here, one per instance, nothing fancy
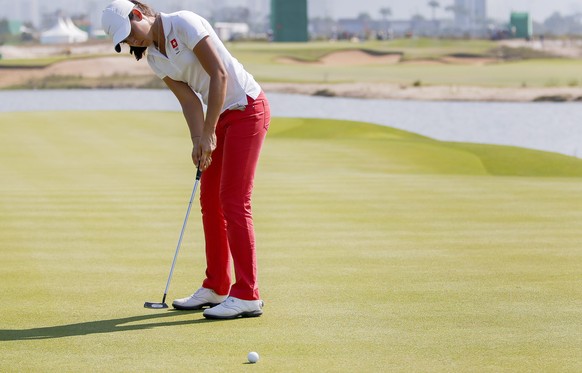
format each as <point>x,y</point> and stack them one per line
<point>32,63</point>
<point>411,48</point>
<point>524,67</point>
<point>531,73</point>
<point>517,67</point>
<point>379,250</point>
<point>39,62</point>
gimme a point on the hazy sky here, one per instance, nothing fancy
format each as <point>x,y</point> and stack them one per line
<point>401,9</point>
<point>498,9</point>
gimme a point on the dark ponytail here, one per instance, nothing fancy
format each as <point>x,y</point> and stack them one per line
<point>137,52</point>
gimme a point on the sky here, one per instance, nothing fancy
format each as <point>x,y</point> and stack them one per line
<point>401,9</point>
<point>497,9</point>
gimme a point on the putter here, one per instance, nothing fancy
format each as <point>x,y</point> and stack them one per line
<point>162,304</point>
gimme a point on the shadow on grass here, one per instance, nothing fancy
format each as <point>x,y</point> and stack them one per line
<point>96,327</point>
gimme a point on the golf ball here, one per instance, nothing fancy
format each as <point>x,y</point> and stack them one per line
<point>253,357</point>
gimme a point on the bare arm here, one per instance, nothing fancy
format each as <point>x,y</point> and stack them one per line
<point>212,64</point>
<point>192,110</point>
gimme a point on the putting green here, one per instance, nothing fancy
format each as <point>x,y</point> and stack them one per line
<point>379,250</point>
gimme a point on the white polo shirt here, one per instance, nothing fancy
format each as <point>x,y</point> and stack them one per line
<point>183,30</point>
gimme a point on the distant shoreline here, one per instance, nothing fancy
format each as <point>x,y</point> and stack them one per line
<point>63,76</point>
<point>430,93</point>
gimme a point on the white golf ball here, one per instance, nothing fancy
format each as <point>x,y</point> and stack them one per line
<point>253,357</point>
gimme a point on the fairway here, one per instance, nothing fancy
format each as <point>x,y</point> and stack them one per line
<point>379,250</point>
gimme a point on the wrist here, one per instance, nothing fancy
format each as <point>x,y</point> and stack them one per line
<point>209,125</point>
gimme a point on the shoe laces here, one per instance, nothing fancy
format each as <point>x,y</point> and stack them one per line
<point>229,302</point>
<point>198,293</point>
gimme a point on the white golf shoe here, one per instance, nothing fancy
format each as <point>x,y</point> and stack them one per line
<point>233,307</point>
<point>201,298</point>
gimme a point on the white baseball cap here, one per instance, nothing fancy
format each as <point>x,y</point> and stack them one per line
<point>115,21</point>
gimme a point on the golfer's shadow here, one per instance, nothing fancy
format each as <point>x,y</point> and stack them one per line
<point>97,327</point>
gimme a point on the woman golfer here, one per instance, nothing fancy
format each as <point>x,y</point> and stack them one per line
<point>185,52</point>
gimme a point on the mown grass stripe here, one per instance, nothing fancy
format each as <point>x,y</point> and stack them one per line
<point>378,250</point>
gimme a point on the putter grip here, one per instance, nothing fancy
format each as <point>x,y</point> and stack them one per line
<point>198,173</point>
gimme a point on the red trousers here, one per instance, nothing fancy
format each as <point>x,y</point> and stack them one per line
<point>225,197</point>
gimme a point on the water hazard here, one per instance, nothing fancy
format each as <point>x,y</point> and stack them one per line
<point>555,127</point>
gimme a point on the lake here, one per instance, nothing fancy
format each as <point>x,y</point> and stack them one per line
<point>555,127</point>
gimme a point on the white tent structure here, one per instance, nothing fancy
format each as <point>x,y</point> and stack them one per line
<point>63,32</point>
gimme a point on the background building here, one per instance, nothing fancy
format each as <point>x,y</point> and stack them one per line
<point>63,32</point>
<point>470,14</point>
<point>29,12</point>
<point>521,25</point>
<point>289,20</point>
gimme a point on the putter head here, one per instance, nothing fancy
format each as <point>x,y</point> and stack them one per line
<point>155,305</point>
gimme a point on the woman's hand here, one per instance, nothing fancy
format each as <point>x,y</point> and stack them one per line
<point>206,146</point>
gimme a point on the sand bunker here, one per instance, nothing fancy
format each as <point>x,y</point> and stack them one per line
<point>82,67</point>
<point>452,60</point>
<point>348,58</point>
<point>102,66</point>
<point>360,57</point>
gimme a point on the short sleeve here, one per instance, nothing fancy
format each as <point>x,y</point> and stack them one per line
<point>190,29</point>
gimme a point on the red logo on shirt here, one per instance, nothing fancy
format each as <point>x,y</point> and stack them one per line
<point>174,43</point>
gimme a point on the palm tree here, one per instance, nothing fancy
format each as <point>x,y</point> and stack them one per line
<point>433,4</point>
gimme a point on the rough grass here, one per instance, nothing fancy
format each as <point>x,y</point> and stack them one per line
<point>379,250</point>
<point>40,62</point>
<point>530,73</point>
<point>515,67</point>
<point>411,48</point>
